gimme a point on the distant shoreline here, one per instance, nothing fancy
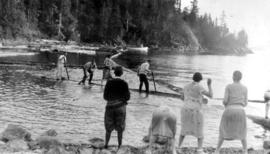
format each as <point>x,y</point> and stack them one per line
<point>152,50</point>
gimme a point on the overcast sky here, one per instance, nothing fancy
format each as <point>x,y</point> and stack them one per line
<point>251,15</point>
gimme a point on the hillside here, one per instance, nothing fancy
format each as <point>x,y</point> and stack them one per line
<point>154,23</point>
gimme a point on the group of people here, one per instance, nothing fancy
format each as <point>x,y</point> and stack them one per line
<point>163,125</point>
<point>233,121</point>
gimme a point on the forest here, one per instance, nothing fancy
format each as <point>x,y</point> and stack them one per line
<point>159,23</point>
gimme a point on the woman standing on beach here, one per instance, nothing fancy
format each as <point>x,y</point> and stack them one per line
<point>192,120</point>
<point>233,122</point>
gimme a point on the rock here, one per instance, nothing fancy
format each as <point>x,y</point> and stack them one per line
<point>57,150</point>
<point>127,150</point>
<point>50,132</point>
<point>15,132</point>
<point>97,143</point>
<point>2,143</point>
<point>124,150</point>
<point>33,145</point>
<point>86,151</point>
<point>105,151</point>
<point>17,145</point>
<point>266,144</point>
<point>96,151</point>
<point>48,142</point>
<point>146,138</point>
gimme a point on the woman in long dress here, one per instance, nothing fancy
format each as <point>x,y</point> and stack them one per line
<point>233,122</point>
<point>192,119</point>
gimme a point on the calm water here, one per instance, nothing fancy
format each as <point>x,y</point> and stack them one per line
<point>40,104</point>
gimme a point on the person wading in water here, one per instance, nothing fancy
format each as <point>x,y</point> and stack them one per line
<point>142,72</point>
<point>109,64</point>
<point>90,68</point>
<point>62,60</point>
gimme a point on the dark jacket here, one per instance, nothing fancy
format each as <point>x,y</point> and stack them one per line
<point>116,93</point>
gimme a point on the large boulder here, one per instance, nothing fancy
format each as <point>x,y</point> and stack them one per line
<point>97,143</point>
<point>128,150</point>
<point>86,151</point>
<point>48,142</point>
<point>105,151</point>
<point>50,132</point>
<point>15,132</point>
<point>266,144</point>
<point>57,150</point>
<point>17,145</point>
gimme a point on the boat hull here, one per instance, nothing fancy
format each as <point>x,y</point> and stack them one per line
<point>137,50</point>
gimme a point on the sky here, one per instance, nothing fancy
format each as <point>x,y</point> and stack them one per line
<point>251,15</point>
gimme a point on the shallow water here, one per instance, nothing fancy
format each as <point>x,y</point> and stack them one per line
<point>76,112</point>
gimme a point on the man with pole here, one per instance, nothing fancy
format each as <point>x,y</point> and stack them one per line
<point>62,60</point>
<point>142,72</point>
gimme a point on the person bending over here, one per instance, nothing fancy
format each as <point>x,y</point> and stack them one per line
<point>90,68</point>
<point>162,130</point>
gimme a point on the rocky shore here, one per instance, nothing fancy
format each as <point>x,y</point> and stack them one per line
<point>16,140</point>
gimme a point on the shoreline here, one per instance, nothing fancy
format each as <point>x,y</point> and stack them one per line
<point>15,139</point>
<point>50,44</point>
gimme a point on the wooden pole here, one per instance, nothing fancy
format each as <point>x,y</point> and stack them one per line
<point>66,69</point>
<point>154,82</point>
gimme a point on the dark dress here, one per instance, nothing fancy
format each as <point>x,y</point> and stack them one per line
<point>117,94</point>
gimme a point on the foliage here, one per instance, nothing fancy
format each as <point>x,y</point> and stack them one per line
<point>149,22</point>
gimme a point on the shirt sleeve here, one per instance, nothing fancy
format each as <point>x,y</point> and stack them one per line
<point>106,91</point>
<point>246,97</point>
<point>127,93</point>
<point>147,67</point>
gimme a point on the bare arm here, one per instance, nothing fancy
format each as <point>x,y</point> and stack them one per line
<point>226,97</point>
<point>208,93</point>
<point>246,98</point>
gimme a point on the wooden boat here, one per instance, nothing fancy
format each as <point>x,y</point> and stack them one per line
<point>136,50</point>
<point>260,121</point>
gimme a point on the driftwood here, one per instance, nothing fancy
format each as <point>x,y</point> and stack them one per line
<point>260,121</point>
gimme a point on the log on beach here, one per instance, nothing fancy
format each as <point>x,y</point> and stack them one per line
<point>260,121</point>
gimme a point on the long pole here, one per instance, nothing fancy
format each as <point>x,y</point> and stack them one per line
<point>154,82</point>
<point>66,69</point>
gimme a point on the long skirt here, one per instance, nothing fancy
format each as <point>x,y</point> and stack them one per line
<point>233,125</point>
<point>192,122</point>
<point>60,70</point>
